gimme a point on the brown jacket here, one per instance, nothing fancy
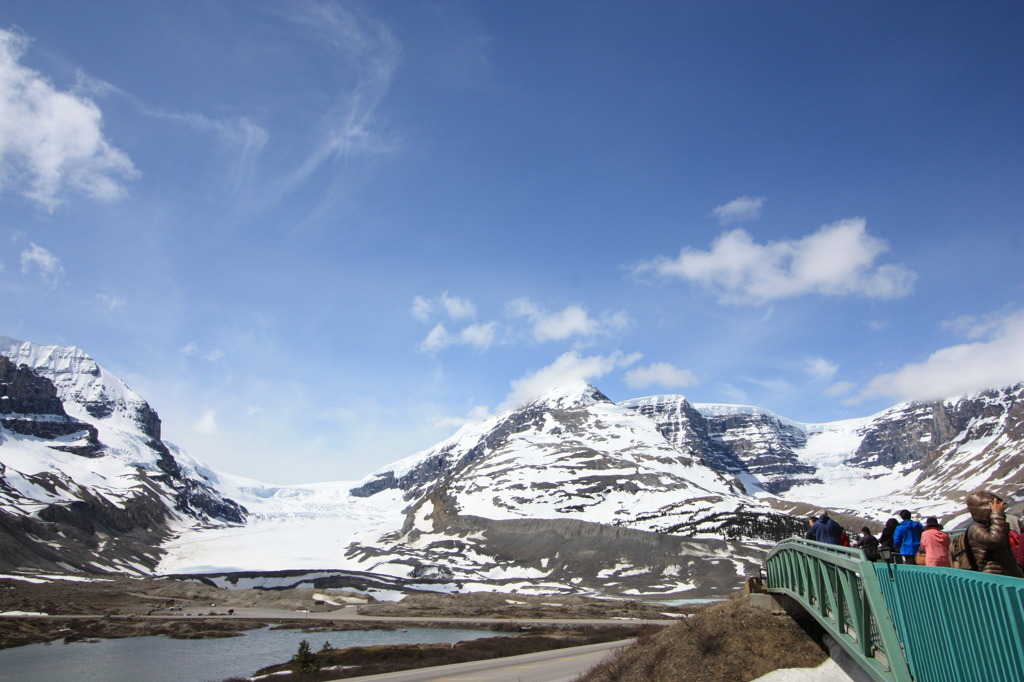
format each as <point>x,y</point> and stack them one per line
<point>989,540</point>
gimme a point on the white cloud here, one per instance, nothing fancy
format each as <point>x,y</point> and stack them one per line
<point>971,327</point>
<point>49,265</point>
<point>739,210</point>
<point>839,388</point>
<point>476,414</point>
<point>207,423</point>
<point>437,339</point>
<point>50,139</point>
<point>996,361</point>
<point>423,309</point>
<point>479,336</point>
<point>371,55</point>
<point>820,368</point>
<point>571,321</point>
<point>567,369</point>
<point>660,374</point>
<point>191,350</point>
<point>837,260</point>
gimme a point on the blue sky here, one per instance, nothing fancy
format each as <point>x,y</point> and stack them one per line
<point>319,236</point>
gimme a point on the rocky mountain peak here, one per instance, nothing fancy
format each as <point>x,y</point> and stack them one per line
<point>84,387</point>
<point>575,394</point>
<point>83,451</point>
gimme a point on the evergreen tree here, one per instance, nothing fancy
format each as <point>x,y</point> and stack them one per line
<point>304,660</point>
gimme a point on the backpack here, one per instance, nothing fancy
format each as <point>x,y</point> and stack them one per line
<point>960,554</point>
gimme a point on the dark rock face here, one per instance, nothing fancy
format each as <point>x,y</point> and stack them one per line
<point>29,405</point>
<point>758,444</point>
<point>917,432</point>
<point>86,530</point>
<point>23,392</point>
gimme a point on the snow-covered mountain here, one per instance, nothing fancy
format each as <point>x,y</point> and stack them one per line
<point>920,456</point>
<point>651,496</point>
<point>569,489</point>
<point>723,476</point>
<point>85,480</point>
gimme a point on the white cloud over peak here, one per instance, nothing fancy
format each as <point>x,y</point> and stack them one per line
<point>567,369</point>
<point>837,260</point>
<point>661,374</point>
<point>995,361</point>
<point>51,139</point>
<point>571,321</point>
<point>49,266</point>
<point>739,210</point>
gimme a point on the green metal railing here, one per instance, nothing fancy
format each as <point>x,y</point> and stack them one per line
<point>905,622</point>
<point>956,625</point>
<point>839,587</point>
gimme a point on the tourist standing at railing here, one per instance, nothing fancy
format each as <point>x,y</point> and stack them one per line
<point>988,537</point>
<point>934,543</point>
<point>907,538</point>
<point>885,539</point>
<point>824,529</point>
<point>868,543</point>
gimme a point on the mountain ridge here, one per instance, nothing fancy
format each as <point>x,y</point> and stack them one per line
<point>88,484</point>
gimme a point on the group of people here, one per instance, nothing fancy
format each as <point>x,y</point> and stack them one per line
<point>990,543</point>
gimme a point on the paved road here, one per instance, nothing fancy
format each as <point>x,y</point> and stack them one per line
<point>349,614</point>
<point>562,665</point>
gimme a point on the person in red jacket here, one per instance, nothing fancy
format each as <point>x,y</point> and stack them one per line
<point>934,543</point>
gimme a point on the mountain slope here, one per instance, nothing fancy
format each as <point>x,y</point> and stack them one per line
<point>651,496</point>
<point>923,456</point>
<point>573,490</point>
<point>85,480</point>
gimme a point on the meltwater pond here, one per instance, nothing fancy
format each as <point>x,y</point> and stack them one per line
<point>161,659</point>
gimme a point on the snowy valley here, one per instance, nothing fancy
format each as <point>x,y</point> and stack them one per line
<point>654,497</point>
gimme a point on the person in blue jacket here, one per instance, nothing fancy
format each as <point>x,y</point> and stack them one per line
<point>907,538</point>
<point>824,529</point>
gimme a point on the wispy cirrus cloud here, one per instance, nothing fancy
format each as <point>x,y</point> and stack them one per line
<point>837,260</point>
<point>744,209</point>
<point>48,265</point>
<point>373,54</point>
<point>51,139</point>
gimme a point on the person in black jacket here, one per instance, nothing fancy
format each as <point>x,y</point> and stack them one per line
<point>868,543</point>
<point>885,539</point>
